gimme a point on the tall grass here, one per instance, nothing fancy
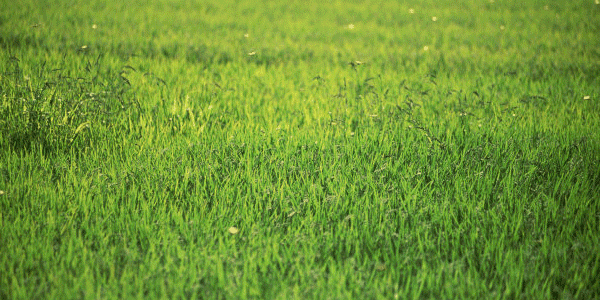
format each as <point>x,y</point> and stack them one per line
<point>54,108</point>
<point>299,150</point>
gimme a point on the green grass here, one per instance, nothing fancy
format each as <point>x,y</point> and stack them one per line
<point>459,159</point>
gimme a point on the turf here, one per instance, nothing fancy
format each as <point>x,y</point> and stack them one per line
<point>299,150</point>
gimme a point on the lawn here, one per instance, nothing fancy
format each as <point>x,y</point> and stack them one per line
<point>299,150</point>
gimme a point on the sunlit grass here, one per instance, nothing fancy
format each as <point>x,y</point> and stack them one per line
<point>291,150</point>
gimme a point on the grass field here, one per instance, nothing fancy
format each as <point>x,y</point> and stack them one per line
<point>299,149</point>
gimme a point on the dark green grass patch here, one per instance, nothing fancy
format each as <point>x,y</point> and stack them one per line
<point>52,107</point>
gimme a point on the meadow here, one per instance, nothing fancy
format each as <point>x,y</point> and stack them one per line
<point>186,149</point>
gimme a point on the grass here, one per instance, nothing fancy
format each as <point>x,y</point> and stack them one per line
<point>299,150</point>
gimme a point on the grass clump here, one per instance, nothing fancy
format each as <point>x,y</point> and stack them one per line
<point>55,108</point>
